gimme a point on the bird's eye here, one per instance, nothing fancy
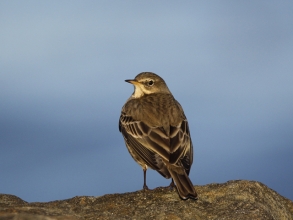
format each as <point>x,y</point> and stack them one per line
<point>151,82</point>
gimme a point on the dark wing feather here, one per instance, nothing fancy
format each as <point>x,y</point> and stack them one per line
<point>181,146</point>
<point>145,143</point>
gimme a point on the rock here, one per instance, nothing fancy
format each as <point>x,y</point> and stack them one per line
<point>238,199</point>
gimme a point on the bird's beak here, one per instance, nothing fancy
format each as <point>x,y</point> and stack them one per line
<point>132,81</point>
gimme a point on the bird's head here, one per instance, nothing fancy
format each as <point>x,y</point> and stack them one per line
<point>148,83</point>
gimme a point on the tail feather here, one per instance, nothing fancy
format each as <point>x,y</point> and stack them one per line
<point>184,185</point>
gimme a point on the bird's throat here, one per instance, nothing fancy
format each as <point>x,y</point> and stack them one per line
<point>137,92</point>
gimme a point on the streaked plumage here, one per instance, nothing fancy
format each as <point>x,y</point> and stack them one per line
<point>156,132</point>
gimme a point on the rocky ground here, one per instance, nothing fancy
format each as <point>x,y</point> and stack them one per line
<point>231,200</point>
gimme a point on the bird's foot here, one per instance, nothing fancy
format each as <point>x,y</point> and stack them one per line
<point>170,187</point>
<point>145,187</point>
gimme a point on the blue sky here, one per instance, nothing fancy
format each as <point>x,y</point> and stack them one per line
<point>62,71</point>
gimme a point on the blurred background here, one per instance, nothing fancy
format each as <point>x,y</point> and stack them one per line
<point>62,71</point>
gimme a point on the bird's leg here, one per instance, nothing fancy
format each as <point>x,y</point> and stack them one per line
<point>172,184</point>
<point>145,187</point>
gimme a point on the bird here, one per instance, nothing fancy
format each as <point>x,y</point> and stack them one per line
<point>156,132</point>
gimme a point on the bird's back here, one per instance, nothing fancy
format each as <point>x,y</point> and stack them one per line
<point>155,110</point>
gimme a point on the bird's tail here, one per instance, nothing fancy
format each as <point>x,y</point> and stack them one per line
<point>183,184</point>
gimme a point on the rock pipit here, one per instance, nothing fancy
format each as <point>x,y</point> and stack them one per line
<point>156,132</point>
